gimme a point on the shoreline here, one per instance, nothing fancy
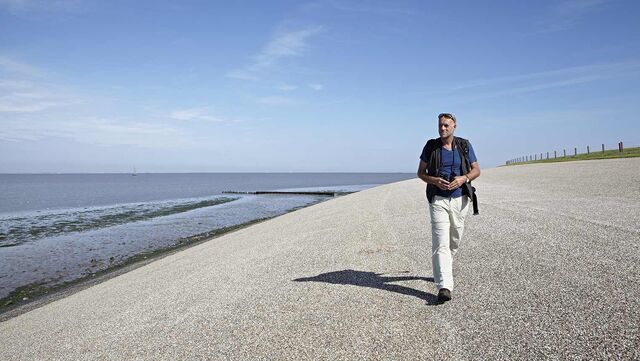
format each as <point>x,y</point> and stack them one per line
<point>32,296</point>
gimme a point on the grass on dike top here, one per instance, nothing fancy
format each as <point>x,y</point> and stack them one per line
<point>607,154</point>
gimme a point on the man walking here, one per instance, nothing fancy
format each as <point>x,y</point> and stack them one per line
<point>448,164</point>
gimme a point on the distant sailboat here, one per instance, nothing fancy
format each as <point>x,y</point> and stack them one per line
<point>135,173</point>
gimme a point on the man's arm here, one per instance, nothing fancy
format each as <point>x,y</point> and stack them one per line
<point>437,181</point>
<point>474,172</point>
<point>460,180</point>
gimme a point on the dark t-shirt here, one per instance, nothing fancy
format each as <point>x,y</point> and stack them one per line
<point>450,162</point>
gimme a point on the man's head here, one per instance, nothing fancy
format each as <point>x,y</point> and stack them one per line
<point>446,125</point>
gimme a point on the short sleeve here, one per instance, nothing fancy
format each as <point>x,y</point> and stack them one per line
<point>472,155</point>
<point>424,156</point>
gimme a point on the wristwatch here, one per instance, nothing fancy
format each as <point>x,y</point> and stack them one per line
<point>468,180</point>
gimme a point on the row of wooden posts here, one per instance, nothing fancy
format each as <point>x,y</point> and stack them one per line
<point>531,158</point>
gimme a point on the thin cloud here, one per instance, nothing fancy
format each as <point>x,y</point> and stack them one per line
<point>17,102</point>
<point>286,87</point>
<point>16,4</point>
<point>41,5</point>
<point>573,7</point>
<point>277,101</point>
<point>611,70</point>
<point>533,82</point>
<point>568,14</point>
<point>25,89</point>
<point>13,67</point>
<point>361,8</point>
<point>531,88</point>
<point>316,86</point>
<point>242,74</point>
<point>282,45</point>
<point>201,114</point>
<point>98,131</point>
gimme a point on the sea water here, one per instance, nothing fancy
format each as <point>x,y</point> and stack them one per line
<point>56,228</point>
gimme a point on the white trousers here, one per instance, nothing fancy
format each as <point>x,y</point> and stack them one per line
<point>447,225</point>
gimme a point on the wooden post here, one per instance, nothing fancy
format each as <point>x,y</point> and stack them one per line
<point>588,151</point>
<point>564,152</point>
<point>555,154</point>
<point>547,155</point>
<point>603,148</point>
<point>535,157</point>
<point>621,147</point>
<point>575,151</point>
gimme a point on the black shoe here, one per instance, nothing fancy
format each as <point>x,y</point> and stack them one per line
<point>444,295</point>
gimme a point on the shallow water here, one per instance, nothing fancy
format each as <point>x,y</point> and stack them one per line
<point>58,228</point>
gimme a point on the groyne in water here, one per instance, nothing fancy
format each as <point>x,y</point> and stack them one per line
<point>310,193</point>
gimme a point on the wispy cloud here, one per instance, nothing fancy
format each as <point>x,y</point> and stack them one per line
<point>200,114</point>
<point>286,87</point>
<point>25,89</point>
<point>573,7</point>
<point>598,71</point>
<point>386,9</point>
<point>16,4</point>
<point>13,67</point>
<point>537,81</point>
<point>277,101</point>
<point>98,131</point>
<point>243,74</point>
<point>567,14</point>
<point>315,86</point>
<point>29,102</point>
<point>41,5</point>
<point>282,45</point>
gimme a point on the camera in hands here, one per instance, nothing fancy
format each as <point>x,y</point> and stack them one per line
<point>449,178</point>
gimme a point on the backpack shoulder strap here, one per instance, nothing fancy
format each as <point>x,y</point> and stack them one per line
<point>433,154</point>
<point>463,144</point>
<point>431,145</point>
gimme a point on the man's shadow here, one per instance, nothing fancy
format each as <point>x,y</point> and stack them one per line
<point>374,280</point>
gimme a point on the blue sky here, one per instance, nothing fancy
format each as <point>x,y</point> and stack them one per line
<point>218,86</point>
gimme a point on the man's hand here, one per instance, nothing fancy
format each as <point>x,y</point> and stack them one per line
<point>441,183</point>
<point>457,182</point>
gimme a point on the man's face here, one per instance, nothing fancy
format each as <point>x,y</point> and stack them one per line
<point>446,127</point>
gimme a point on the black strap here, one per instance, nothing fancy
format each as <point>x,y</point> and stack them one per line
<point>464,145</point>
<point>475,203</point>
